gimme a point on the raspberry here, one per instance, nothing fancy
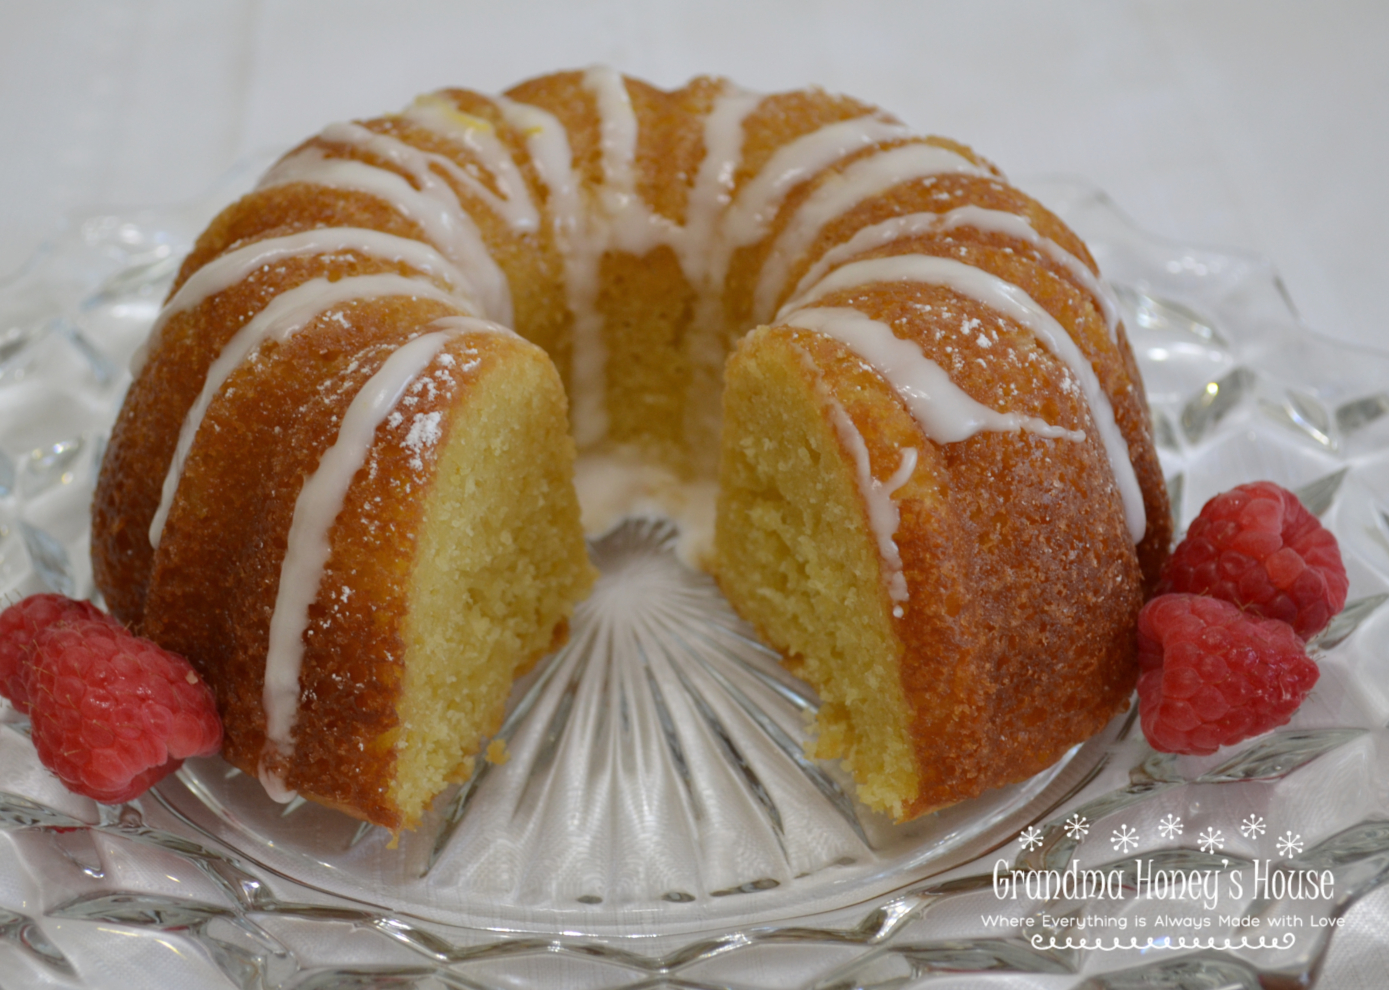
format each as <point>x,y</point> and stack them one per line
<point>1211,675</point>
<point>20,625</point>
<point>111,713</point>
<point>1258,547</point>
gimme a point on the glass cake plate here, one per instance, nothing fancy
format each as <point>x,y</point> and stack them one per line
<point>656,822</point>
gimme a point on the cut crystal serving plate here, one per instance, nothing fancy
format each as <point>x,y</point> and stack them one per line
<point>656,822</point>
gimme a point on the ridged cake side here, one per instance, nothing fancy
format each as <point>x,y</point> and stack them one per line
<point>1018,580</point>
<point>636,235</point>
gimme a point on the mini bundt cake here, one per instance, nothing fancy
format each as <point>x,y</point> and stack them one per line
<point>341,485</point>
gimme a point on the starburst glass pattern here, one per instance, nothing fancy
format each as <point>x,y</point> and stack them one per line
<point>661,692</point>
<point>1170,827</point>
<point>1077,827</point>
<point>1252,827</point>
<point>1211,840</point>
<point>1124,839</point>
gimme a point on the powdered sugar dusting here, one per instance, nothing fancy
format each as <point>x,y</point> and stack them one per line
<point>424,434</point>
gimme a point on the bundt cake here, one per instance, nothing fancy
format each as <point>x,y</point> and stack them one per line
<point>342,485</point>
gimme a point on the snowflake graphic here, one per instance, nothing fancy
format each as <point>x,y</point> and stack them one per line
<point>1289,845</point>
<point>1211,840</point>
<point>1077,826</point>
<point>1252,827</point>
<point>1170,826</point>
<point>1123,837</point>
<point>1030,838</point>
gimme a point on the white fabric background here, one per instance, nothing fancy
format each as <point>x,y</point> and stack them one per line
<point>1254,124</point>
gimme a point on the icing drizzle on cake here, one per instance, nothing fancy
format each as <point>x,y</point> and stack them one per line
<point>1017,305</point>
<point>317,506</point>
<point>851,161</point>
<point>286,314</point>
<point>943,410</point>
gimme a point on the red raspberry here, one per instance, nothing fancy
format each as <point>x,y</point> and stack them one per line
<point>1211,675</point>
<point>112,713</point>
<point>20,625</point>
<point>1258,547</point>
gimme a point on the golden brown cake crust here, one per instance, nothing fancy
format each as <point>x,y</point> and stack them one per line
<point>225,541</point>
<point>1036,273</point>
<point>1016,639</point>
<point>1018,636</point>
<point>147,429</point>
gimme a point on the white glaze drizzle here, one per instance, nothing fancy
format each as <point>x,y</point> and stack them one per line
<point>547,143</point>
<point>632,225</point>
<point>431,203</point>
<point>979,218</point>
<point>581,247</point>
<point>883,515</point>
<point>307,549</point>
<point>886,517</point>
<point>472,324</point>
<point>284,316</point>
<point>617,137</point>
<point>944,411</point>
<point>861,180</point>
<point>750,214</point>
<point>1017,305</point>
<point>759,201</point>
<point>712,191</point>
<point>226,270</point>
<point>702,250</point>
<point>494,290</point>
<point>437,113</point>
